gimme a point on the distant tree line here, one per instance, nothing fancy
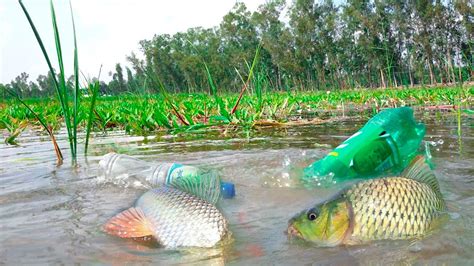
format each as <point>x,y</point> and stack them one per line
<point>305,44</point>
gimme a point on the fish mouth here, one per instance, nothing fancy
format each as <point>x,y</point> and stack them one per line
<point>292,231</point>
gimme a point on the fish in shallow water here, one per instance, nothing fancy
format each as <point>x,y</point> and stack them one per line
<point>175,216</point>
<point>387,208</point>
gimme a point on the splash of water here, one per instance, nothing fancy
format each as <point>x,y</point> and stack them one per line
<point>432,144</point>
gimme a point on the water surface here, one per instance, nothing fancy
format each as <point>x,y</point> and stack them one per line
<point>53,214</point>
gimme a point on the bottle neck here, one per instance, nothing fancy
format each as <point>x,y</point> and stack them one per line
<point>394,159</point>
<point>161,174</point>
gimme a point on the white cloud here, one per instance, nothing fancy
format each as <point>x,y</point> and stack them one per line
<point>107,30</point>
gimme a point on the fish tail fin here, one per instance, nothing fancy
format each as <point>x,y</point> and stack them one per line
<point>204,184</point>
<point>419,170</point>
<point>130,223</point>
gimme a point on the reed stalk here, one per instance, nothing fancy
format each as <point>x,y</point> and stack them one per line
<point>62,90</point>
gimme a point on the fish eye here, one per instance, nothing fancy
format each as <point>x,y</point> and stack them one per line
<point>312,216</point>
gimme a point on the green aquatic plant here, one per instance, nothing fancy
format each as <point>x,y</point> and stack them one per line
<point>157,83</point>
<point>140,114</point>
<point>16,131</point>
<point>14,128</point>
<point>249,77</point>
<point>60,85</point>
<point>93,91</point>
<point>223,116</point>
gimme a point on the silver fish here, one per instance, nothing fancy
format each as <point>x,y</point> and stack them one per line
<point>174,217</point>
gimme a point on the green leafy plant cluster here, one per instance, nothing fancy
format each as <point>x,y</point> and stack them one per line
<point>138,114</point>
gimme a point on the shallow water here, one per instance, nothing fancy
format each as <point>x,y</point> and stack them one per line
<point>53,214</point>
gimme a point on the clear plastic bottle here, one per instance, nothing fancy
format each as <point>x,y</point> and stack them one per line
<point>113,165</point>
<point>387,142</point>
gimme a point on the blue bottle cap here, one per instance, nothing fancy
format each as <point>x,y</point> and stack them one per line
<point>227,190</point>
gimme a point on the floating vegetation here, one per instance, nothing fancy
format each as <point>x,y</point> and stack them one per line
<point>142,115</point>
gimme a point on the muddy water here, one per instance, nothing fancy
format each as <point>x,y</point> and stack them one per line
<point>53,214</point>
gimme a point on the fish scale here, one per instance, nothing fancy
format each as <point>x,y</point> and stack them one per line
<point>408,208</point>
<point>178,215</point>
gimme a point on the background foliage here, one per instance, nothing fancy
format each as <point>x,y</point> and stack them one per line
<point>306,45</point>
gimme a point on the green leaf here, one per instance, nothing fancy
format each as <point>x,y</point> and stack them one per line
<point>468,111</point>
<point>219,118</point>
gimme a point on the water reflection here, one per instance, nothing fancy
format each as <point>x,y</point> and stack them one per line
<point>53,215</point>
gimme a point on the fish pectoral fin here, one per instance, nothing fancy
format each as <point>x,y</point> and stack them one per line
<point>129,224</point>
<point>350,241</point>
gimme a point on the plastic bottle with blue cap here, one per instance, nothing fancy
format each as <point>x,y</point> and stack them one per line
<point>124,167</point>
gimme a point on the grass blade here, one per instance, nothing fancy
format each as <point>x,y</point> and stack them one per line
<point>62,83</point>
<point>40,42</point>
<point>59,92</point>
<point>157,83</point>
<point>94,89</point>
<point>59,155</point>
<point>219,101</point>
<point>254,63</point>
<point>76,81</point>
<point>222,111</point>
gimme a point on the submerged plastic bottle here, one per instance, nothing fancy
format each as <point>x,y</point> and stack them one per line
<point>113,165</point>
<point>387,142</point>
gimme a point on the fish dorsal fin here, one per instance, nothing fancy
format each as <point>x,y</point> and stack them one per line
<point>204,184</point>
<point>420,170</point>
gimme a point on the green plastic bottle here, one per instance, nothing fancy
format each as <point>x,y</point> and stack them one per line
<point>387,142</point>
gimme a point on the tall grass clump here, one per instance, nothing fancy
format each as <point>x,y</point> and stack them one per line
<point>62,90</point>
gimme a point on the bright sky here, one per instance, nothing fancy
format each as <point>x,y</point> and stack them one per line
<point>107,30</point>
